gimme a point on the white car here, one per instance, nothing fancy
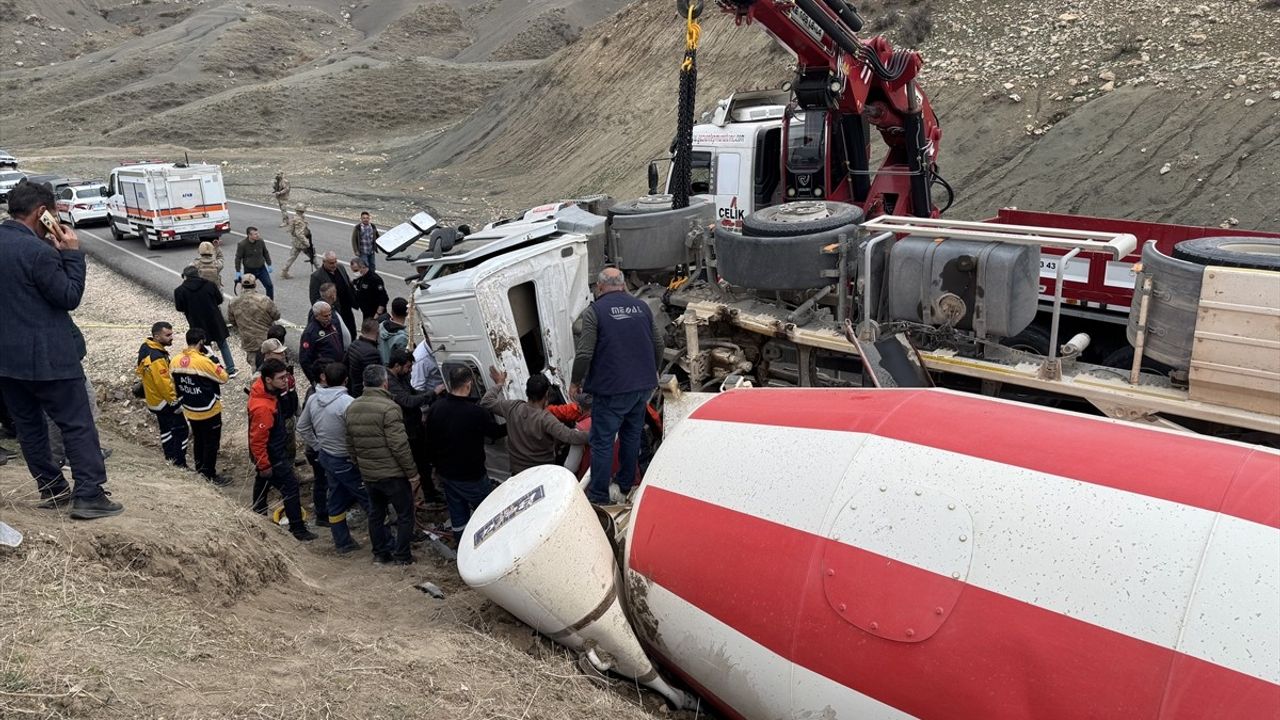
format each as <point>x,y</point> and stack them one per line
<point>8,179</point>
<point>7,160</point>
<point>78,204</point>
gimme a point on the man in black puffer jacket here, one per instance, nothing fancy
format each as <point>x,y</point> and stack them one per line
<point>199,299</point>
<point>362,353</point>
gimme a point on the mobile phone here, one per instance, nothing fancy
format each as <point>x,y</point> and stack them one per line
<point>49,222</point>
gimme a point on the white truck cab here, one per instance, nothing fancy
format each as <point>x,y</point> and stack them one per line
<point>736,155</point>
<point>506,296</point>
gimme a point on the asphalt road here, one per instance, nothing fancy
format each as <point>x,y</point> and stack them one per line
<point>161,269</point>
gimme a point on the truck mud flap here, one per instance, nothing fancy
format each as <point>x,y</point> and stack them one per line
<point>892,362</point>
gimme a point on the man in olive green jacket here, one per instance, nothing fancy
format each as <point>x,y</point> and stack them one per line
<point>379,447</point>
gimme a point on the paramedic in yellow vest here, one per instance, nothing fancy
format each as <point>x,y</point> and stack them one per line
<point>199,377</point>
<point>159,393</point>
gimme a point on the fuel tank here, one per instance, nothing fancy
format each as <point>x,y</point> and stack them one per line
<point>813,553</point>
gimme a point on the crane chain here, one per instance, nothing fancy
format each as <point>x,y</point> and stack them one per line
<point>682,163</point>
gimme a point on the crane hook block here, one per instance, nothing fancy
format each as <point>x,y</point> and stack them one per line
<point>682,9</point>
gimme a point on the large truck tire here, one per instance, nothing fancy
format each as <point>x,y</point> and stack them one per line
<point>647,234</point>
<point>1257,253</point>
<point>778,263</point>
<point>800,218</point>
<point>115,231</point>
<point>1171,309</point>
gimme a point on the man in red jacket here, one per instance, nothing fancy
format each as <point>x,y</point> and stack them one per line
<point>268,442</point>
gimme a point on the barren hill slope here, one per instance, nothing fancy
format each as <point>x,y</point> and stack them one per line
<point>1074,107</point>
<point>241,74</point>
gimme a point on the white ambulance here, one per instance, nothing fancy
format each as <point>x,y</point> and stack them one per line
<point>165,203</point>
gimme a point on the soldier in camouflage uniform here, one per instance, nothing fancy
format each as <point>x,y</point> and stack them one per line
<point>301,235</point>
<point>209,262</point>
<point>280,191</point>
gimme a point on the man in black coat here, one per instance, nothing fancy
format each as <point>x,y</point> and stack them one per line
<point>414,404</point>
<point>321,342</point>
<point>362,353</point>
<point>330,271</point>
<point>457,428</point>
<point>42,272</point>
<point>199,299</point>
<point>370,292</point>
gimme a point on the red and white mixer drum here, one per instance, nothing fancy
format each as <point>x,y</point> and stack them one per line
<point>813,553</point>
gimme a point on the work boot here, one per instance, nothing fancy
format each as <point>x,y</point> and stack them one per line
<point>305,535</point>
<point>348,549</point>
<point>99,507</point>
<point>219,480</point>
<point>6,454</point>
<point>56,502</point>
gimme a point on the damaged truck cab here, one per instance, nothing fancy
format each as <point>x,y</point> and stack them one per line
<point>505,296</point>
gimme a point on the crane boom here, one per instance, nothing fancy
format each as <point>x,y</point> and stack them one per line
<point>844,85</point>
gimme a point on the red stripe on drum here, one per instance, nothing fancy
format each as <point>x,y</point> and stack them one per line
<point>993,657</point>
<point>1169,466</point>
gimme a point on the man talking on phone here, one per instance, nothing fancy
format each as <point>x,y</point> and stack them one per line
<point>43,272</point>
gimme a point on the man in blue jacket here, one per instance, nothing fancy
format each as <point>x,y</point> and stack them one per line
<point>43,274</point>
<point>617,354</point>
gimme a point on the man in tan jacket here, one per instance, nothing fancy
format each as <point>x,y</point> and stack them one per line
<point>252,314</point>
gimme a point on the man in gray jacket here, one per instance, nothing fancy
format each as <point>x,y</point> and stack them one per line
<point>323,427</point>
<point>533,434</point>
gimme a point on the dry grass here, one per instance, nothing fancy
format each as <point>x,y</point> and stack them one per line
<point>190,606</point>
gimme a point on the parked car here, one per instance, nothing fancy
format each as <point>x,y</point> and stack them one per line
<point>55,182</point>
<point>9,178</point>
<point>7,160</point>
<point>82,203</point>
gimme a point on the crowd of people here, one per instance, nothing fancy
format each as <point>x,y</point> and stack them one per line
<point>379,424</point>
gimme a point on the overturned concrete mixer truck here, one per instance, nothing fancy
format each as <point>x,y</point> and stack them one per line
<point>812,294</point>
<point>847,540</point>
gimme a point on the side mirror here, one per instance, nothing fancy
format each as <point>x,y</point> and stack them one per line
<point>653,177</point>
<point>104,192</point>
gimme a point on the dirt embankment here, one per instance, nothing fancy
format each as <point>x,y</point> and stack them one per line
<point>190,606</point>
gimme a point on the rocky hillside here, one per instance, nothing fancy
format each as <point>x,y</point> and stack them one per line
<point>1167,110</point>
<point>1161,110</point>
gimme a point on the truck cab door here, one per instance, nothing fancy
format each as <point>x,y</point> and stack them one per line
<point>766,168</point>
<point>731,204</point>
<point>529,308</point>
<point>456,331</point>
